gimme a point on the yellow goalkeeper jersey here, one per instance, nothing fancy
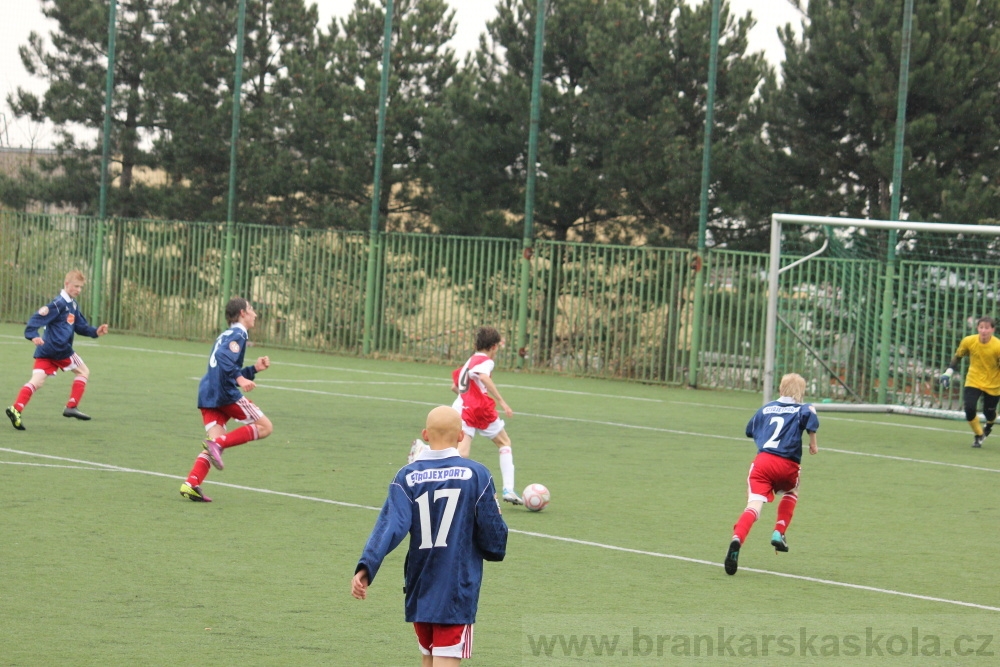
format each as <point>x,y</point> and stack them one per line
<point>984,363</point>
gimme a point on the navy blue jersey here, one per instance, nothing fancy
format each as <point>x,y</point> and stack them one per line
<point>777,427</point>
<point>218,387</point>
<point>61,318</point>
<point>448,506</point>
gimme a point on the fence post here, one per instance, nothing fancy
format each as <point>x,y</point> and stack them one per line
<point>374,239</point>
<point>227,260</point>
<point>706,165</point>
<point>97,267</point>
<point>529,191</point>
<point>885,334</point>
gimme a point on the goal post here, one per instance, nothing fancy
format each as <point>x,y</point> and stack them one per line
<point>870,311</point>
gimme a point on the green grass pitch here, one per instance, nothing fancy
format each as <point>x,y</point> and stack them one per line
<point>102,562</point>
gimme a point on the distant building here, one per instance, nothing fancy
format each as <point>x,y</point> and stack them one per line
<point>13,160</point>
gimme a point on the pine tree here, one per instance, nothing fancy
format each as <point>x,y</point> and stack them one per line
<point>832,125</point>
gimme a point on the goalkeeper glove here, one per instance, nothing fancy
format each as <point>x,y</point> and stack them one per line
<point>945,378</point>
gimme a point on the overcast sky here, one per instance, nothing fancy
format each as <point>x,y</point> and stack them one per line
<point>20,17</point>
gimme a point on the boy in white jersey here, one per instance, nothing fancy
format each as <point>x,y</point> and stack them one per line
<point>477,401</point>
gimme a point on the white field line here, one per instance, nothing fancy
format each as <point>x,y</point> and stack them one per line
<point>622,425</point>
<point>95,466</point>
<point>435,381</point>
<point>604,423</point>
<point>105,467</point>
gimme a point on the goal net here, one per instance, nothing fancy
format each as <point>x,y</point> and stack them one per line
<point>870,312</point>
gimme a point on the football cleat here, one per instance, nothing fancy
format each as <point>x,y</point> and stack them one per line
<point>732,555</point>
<point>511,497</point>
<point>977,441</point>
<point>214,453</point>
<point>15,418</point>
<point>987,430</point>
<point>194,493</point>
<point>778,541</point>
<point>417,447</point>
<point>76,414</point>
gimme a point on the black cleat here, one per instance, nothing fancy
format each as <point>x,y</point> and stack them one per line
<point>732,555</point>
<point>987,430</point>
<point>74,412</point>
<point>977,441</point>
<point>15,418</point>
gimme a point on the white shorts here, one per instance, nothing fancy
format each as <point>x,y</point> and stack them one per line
<point>491,431</point>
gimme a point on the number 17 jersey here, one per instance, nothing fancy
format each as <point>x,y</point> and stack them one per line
<point>777,428</point>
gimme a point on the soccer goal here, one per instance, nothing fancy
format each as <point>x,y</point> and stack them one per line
<point>871,311</point>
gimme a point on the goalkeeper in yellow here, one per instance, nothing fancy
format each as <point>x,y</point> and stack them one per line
<point>982,378</point>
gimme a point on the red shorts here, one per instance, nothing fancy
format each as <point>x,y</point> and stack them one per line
<point>52,366</point>
<point>770,474</point>
<point>243,411</point>
<point>447,641</point>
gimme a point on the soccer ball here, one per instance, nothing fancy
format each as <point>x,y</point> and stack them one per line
<point>536,497</point>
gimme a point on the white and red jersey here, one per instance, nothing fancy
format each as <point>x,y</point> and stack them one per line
<point>479,410</point>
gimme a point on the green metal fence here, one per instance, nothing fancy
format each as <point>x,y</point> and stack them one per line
<point>592,310</point>
<point>610,311</point>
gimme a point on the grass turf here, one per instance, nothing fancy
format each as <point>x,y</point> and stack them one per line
<point>103,562</point>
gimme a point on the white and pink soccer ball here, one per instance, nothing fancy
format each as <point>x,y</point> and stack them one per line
<point>536,497</point>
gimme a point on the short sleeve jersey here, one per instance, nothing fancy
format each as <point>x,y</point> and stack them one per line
<point>777,428</point>
<point>984,363</point>
<point>479,410</point>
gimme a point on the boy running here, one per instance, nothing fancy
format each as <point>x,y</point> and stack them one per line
<point>477,401</point>
<point>61,319</point>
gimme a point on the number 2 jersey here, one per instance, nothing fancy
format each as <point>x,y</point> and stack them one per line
<point>218,386</point>
<point>448,506</point>
<point>777,428</point>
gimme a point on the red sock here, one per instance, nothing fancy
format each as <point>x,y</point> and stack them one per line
<point>199,471</point>
<point>237,436</point>
<point>24,396</point>
<point>785,510</point>
<point>76,393</point>
<point>744,524</point>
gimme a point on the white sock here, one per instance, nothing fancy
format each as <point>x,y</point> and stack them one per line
<point>507,468</point>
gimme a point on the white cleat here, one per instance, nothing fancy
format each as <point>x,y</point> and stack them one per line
<point>417,447</point>
<point>511,497</point>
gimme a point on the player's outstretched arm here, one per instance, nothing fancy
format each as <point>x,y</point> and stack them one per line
<point>813,447</point>
<point>491,388</point>
<point>945,379</point>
